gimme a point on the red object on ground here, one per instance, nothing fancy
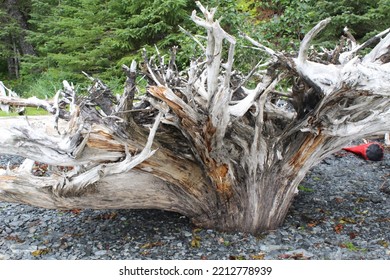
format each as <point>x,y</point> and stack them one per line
<point>371,151</point>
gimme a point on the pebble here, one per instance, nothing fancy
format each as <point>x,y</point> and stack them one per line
<point>100,253</point>
<point>22,248</point>
<point>302,252</point>
<point>269,248</point>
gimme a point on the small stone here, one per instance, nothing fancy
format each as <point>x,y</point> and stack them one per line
<point>22,248</point>
<point>15,224</point>
<point>376,199</point>
<point>316,230</point>
<point>169,237</point>
<point>268,248</point>
<point>100,253</point>
<point>46,218</point>
<point>302,252</point>
<point>32,230</point>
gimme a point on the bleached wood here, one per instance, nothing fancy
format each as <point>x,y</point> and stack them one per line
<point>241,107</point>
<point>387,139</point>
<point>29,102</point>
<point>227,156</point>
<point>324,77</point>
<point>355,48</point>
<point>380,49</point>
<point>145,192</point>
<point>79,182</point>
<point>27,142</point>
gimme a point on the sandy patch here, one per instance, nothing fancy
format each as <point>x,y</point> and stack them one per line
<point>45,123</point>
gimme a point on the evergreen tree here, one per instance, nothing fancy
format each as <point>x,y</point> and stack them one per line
<point>13,19</point>
<point>68,36</point>
<point>97,36</point>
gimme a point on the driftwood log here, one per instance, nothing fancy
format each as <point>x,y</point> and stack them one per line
<point>202,142</point>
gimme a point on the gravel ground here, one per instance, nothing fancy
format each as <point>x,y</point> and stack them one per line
<point>341,212</point>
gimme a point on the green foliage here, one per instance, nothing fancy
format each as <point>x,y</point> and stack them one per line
<point>69,35</point>
<point>13,20</point>
<point>98,36</point>
<point>137,23</point>
<point>28,112</point>
<point>48,83</point>
<point>289,20</point>
<point>8,32</point>
<point>305,189</point>
<point>351,247</point>
<point>10,28</point>
<point>364,18</point>
<point>281,24</point>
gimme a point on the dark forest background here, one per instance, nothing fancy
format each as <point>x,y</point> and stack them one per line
<point>43,42</point>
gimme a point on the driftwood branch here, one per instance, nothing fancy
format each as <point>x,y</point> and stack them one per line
<point>126,102</point>
<point>29,102</point>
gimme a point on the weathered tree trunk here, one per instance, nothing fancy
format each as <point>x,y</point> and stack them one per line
<point>228,157</point>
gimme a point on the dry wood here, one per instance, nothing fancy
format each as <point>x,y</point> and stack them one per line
<point>227,156</point>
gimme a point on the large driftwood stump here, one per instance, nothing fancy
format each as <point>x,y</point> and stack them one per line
<point>200,142</point>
